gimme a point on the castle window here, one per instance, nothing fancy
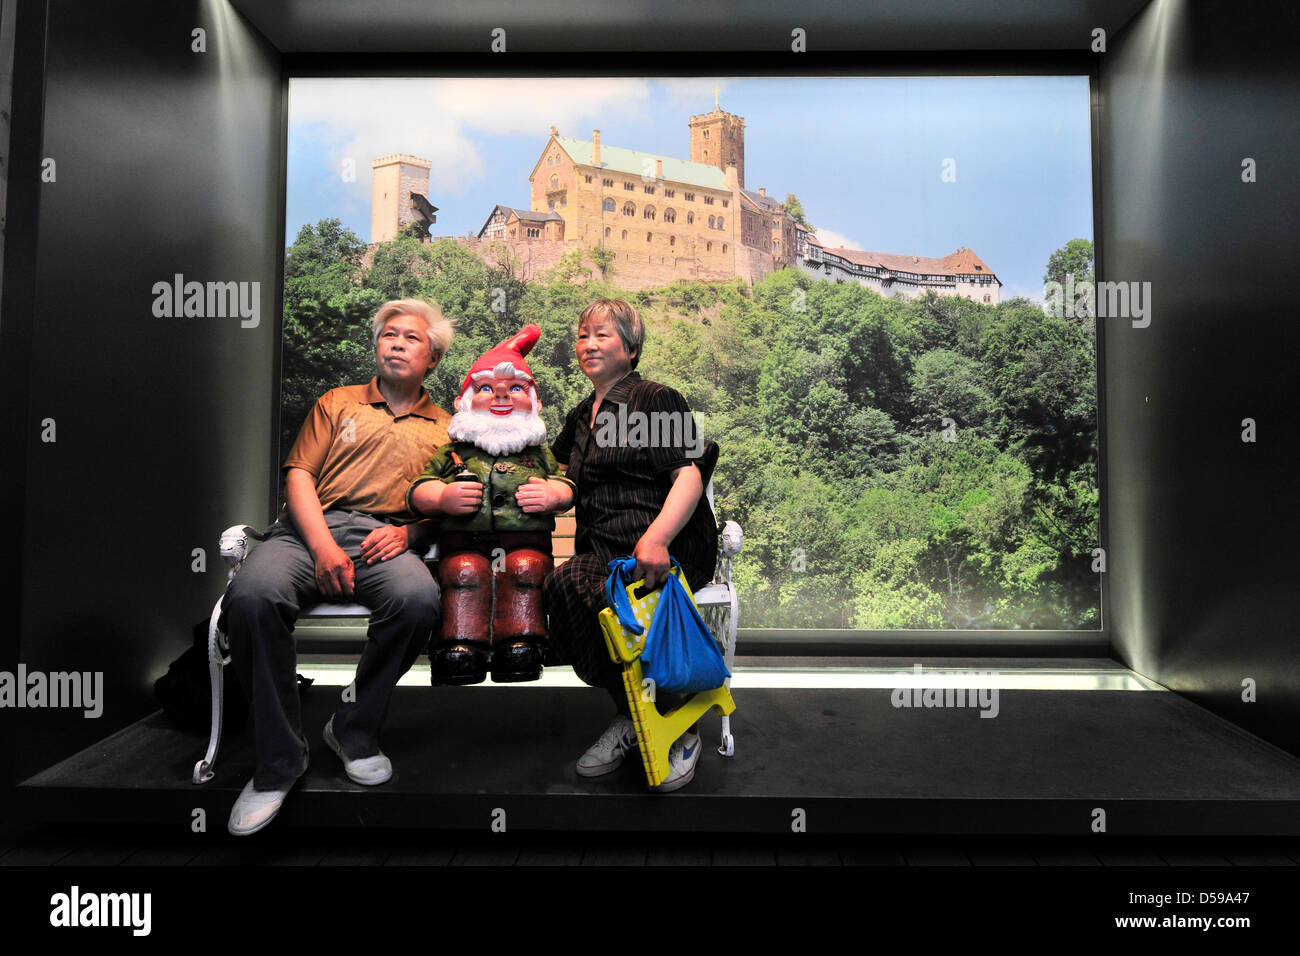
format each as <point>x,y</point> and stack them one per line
<point>724,247</point>
<point>689,197</point>
<point>607,232</point>
<point>650,190</point>
<point>550,160</point>
<point>670,193</point>
<point>706,134</point>
<point>607,206</point>
<point>986,298</point>
<point>706,154</point>
<point>670,215</point>
<point>607,183</point>
<point>629,187</point>
<point>720,225</point>
<point>624,233</point>
<point>534,233</point>
<point>629,209</point>
<point>552,205</point>
<point>708,247</point>
<point>555,182</point>
<point>586,179</point>
<point>690,219</point>
<point>710,222</point>
<point>672,240</point>
<point>708,200</point>
<point>649,212</point>
<point>649,236</point>
<point>724,203</point>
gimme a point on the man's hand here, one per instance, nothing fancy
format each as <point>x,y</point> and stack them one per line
<point>541,495</point>
<point>652,561</point>
<point>335,575</point>
<point>461,498</point>
<point>384,543</point>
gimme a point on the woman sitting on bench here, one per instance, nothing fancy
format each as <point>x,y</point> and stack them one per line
<point>640,492</point>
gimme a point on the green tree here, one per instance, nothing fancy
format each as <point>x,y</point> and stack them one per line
<point>1074,258</point>
<point>795,208</point>
<point>602,259</point>
<point>328,336</point>
<point>948,385</point>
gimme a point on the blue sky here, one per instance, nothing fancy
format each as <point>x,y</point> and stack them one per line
<point>864,155</point>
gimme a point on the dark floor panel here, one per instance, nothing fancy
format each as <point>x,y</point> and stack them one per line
<point>161,854</point>
<point>550,856</point>
<point>626,854</point>
<point>1130,858</point>
<point>849,759</point>
<point>675,854</point>
<point>937,858</point>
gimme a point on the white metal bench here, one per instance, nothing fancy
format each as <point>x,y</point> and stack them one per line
<point>717,603</point>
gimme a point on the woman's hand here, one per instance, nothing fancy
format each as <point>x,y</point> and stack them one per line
<point>652,550</point>
<point>652,562</point>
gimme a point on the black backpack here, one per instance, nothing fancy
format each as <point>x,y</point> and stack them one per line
<point>185,691</point>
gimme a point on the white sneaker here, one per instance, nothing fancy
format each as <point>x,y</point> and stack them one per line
<point>254,809</point>
<point>367,771</point>
<point>683,755</point>
<point>606,754</point>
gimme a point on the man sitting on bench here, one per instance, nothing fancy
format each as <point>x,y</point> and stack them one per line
<point>346,533</point>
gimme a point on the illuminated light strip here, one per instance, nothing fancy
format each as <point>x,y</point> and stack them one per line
<point>826,678</point>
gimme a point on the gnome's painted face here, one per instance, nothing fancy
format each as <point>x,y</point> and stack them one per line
<point>502,394</point>
<point>498,412</point>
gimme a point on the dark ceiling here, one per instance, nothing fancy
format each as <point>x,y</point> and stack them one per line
<point>568,26</point>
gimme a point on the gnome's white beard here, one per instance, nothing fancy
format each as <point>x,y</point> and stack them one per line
<point>497,434</point>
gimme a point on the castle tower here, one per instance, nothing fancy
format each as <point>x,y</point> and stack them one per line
<point>396,178</point>
<point>717,139</point>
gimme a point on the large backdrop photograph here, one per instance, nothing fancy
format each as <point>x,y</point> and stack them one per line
<point>849,279</point>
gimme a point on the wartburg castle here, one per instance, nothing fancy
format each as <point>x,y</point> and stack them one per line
<point>664,219</point>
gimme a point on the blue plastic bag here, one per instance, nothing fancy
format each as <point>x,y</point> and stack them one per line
<point>680,654</point>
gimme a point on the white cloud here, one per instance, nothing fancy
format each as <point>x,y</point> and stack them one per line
<point>831,239</point>
<point>365,118</point>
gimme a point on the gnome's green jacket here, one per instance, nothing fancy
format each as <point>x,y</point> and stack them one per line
<point>502,476</point>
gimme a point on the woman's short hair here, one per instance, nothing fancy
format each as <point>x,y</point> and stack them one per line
<point>440,327</point>
<point>626,320</point>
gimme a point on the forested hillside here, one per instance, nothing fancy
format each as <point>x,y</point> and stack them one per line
<point>923,464</point>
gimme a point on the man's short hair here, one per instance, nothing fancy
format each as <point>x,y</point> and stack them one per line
<point>626,320</point>
<point>440,327</point>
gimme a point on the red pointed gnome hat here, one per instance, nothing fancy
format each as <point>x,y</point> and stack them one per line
<point>512,350</point>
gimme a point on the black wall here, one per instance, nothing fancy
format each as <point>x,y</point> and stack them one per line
<point>167,161</point>
<point>1203,527</point>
